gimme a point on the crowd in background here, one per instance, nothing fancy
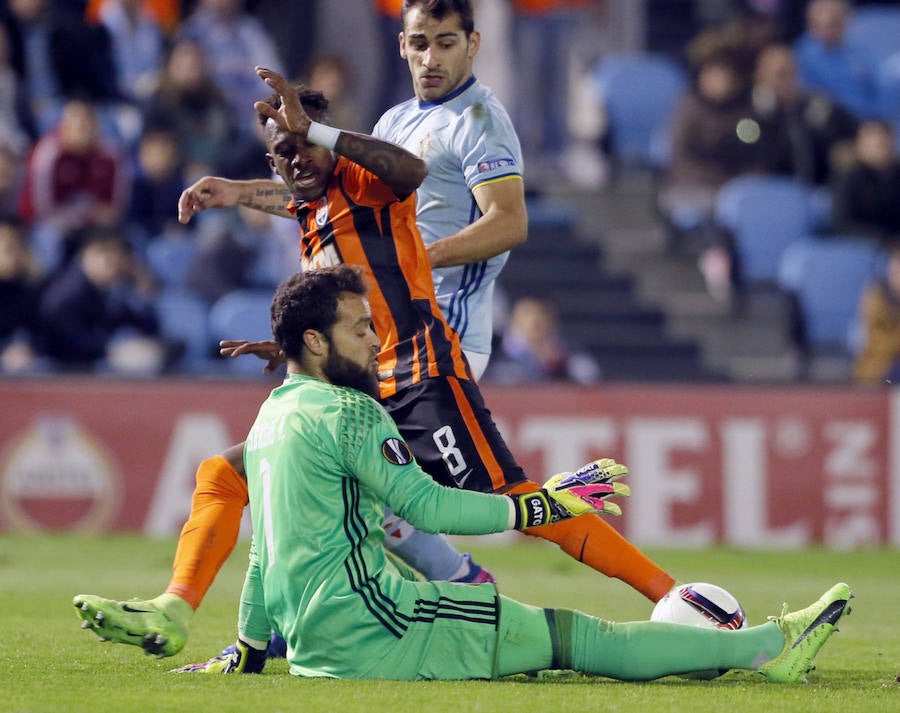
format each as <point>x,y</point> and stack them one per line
<point>814,107</point>
<point>809,109</point>
<point>109,108</point>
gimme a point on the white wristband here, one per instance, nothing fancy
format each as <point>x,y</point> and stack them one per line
<point>322,135</point>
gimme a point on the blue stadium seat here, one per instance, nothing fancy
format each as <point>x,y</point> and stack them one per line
<point>169,259</point>
<point>765,214</point>
<point>888,82</point>
<point>184,316</point>
<point>242,314</point>
<point>876,27</point>
<point>827,276</point>
<point>639,92</point>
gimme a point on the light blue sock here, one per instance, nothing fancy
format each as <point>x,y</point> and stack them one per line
<point>432,555</point>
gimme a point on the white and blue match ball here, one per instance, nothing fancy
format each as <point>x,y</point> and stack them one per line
<point>700,604</point>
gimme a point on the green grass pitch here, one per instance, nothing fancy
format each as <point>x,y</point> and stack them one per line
<point>48,664</point>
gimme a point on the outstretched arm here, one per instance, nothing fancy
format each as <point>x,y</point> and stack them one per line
<point>402,171</point>
<point>214,192</point>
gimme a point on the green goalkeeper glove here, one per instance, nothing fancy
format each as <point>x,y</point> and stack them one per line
<point>242,659</point>
<point>569,494</point>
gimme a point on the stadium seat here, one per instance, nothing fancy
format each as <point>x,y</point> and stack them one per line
<point>764,214</point>
<point>888,81</point>
<point>184,316</point>
<point>242,314</point>
<point>827,276</point>
<point>639,92</point>
<point>876,27</point>
<point>169,259</point>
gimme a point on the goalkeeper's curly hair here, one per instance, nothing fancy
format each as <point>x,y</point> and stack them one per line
<point>309,300</point>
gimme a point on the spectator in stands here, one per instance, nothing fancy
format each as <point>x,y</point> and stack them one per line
<point>137,44</point>
<point>714,139</point>
<point>234,43</point>
<point>97,311</point>
<point>879,357</point>
<point>189,100</point>
<point>15,123</point>
<point>743,37</point>
<point>158,182</point>
<point>74,180</point>
<point>830,64</point>
<point>81,54</point>
<point>532,350</point>
<point>331,75</point>
<point>803,133</point>
<point>30,26</point>
<point>866,196</point>
<point>228,252</point>
<point>19,285</point>
<point>544,36</point>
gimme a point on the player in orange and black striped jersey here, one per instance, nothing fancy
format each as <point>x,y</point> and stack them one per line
<point>359,221</point>
<point>359,208</point>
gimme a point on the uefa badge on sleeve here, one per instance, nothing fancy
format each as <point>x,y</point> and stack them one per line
<point>396,451</point>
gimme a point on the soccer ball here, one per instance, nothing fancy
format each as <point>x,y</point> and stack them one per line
<point>700,604</point>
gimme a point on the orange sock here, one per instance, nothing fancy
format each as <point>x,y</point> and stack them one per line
<point>211,532</point>
<point>592,540</point>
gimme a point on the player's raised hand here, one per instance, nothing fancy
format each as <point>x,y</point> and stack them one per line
<point>208,192</point>
<point>291,116</point>
<point>268,351</point>
<point>566,495</point>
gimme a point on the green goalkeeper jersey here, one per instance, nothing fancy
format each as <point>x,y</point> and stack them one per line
<point>322,461</point>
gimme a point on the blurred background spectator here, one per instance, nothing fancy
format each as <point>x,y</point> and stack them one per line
<point>878,359</point>
<point>19,286</point>
<point>532,350</point>
<point>714,139</point>
<point>75,179</point>
<point>234,42</point>
<point>831,63</point>
<point>15,120</point>
<point>804,133</point>
<point>159,179</point>
<point>239,250</point>
<point>867,192</point>
<point>189,100</point>
<point>98,313</point>
<point>137,46</point>
<point>331,75</point>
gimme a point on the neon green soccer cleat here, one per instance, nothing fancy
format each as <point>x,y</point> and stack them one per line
<point>158,626</point>
<point>805,632</point>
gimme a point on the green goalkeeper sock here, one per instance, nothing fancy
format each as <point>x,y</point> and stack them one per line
<point>644,650</point>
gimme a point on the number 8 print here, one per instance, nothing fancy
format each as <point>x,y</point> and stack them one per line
<point>446,445</point>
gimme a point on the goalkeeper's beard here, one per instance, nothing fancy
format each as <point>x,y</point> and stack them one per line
<point>340,371</point>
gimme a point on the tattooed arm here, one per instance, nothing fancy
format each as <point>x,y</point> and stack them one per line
<point>402,171</point>
<point>214,192</point>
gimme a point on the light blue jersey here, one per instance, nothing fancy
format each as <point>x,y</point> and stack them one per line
<point>466,139</point>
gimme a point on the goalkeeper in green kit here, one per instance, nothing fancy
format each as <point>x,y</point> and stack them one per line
<point>322,460</point>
